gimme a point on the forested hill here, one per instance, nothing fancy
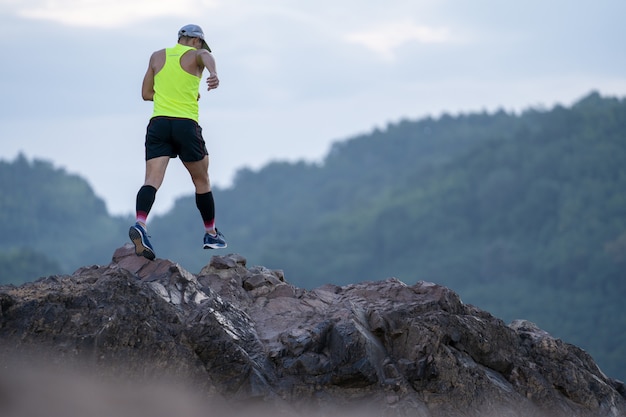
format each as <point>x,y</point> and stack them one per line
<point>523,215</point>
<point>538,196</point>
<point>51,222</point>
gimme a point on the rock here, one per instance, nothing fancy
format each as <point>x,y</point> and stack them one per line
<point>246,336</point>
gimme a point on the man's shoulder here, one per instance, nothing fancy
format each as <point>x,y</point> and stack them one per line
<point>158,54</point>
<point>157,59</point>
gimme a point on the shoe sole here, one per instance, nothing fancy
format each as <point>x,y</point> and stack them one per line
<point>209,246</point>
<point>140,248</point>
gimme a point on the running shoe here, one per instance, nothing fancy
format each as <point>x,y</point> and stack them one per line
<point>214,242</point>
<point>139,237</point>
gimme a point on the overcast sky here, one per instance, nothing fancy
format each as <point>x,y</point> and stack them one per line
<point>295,75</point>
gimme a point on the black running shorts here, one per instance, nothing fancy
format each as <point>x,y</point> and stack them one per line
<point>171,136</point>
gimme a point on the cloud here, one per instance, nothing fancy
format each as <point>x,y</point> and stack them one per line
<point>385,39</point>
<point>107,13</point>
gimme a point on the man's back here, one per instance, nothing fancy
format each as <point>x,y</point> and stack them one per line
<point>189,62</point>
<point>194,61</point>
<point>175,88</point>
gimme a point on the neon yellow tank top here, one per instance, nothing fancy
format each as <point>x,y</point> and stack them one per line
<point>175,90</point>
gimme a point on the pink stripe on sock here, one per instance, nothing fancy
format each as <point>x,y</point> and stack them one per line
<point>142,216</point>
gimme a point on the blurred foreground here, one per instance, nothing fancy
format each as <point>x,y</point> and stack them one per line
<point>47,391</point>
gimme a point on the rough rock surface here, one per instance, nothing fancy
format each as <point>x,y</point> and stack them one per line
<point>246,336</point>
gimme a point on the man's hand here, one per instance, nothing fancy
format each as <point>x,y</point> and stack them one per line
<point>212,82</point>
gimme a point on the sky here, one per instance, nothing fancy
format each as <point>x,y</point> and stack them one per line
<point>295,75</point>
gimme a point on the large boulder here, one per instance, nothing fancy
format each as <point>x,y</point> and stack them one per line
<point>245,337</point>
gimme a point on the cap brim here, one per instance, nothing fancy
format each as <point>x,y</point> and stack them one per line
<point>205,46</point>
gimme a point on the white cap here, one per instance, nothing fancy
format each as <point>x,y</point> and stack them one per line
<point>193,31</point>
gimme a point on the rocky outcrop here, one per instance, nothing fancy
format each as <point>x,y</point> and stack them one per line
<point>247,337</point>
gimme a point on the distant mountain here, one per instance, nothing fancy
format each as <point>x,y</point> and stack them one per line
<point>52,218</point>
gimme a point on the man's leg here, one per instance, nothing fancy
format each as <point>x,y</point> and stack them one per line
<point>155,172</point>
<point>199,172</point>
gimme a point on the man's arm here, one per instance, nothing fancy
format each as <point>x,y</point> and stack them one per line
<point>206,60</point>
<point>147,87</point>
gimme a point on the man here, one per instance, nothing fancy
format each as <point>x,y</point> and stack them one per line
<point>172,83</point>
